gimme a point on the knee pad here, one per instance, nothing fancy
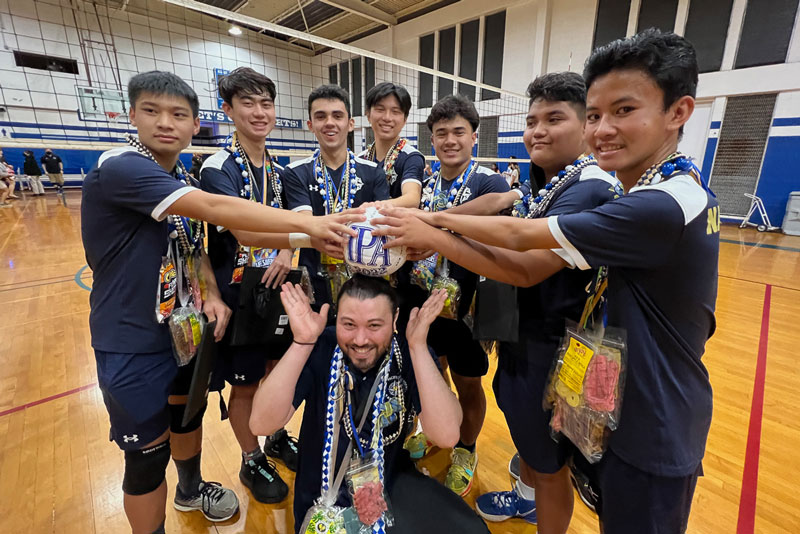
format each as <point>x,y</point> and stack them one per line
<point>145,469</point>
<point>176,412</point>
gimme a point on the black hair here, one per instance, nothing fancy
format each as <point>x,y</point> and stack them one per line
<point>382,90</point>
<point>362,287</point>
<point>452,106</point>
<point>158,83</point>
<point>329,92</point>
<point>244,81</point>
<point>668,59</point>
<point>566,87</point>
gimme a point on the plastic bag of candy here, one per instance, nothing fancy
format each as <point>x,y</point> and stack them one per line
<point>167,291</point>
<point>451,303</point>
<point>586,387</point>
<point>370,502</point>
<point>240,260</point>
<point>321,519</point>
<point>423,272</point>
<point>186,327</point>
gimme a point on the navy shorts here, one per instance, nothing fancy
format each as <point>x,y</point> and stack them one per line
<point>453,339</point>
<point>244,365</point>
<point>519,384</point>
<point>135,390</point>
<point>633,500</point>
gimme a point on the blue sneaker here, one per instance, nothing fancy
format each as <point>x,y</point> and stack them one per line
<point>501,505</point>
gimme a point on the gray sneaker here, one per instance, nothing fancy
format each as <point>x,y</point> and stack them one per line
<point>513,467</point>
<point>216,503</point>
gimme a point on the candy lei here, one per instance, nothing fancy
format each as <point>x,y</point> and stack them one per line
<point>667,167</point>
<point>188,232</point>
<point>336,381</point>
<point>456,189</point>
<point>240,156</point>
<point>333,204</point>
<point>391,156</point>
<point>533,206</point>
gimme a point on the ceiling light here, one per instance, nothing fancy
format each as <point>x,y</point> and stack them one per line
<point>235,30</point>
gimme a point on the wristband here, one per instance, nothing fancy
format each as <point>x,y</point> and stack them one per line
<point>304,344</point>
<point>299,240</point>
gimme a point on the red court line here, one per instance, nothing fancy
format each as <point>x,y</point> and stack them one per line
<point>747,500</point>
<point>47,399</point>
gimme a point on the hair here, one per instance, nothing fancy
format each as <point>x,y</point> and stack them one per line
<point>668,59</point>
<point>362,287</point>
<point>566,87</point>
<point>159,83</point>
<point>452,106</point>
<point>329,92</point>
<point>244,81</point>
<point>382,90</point>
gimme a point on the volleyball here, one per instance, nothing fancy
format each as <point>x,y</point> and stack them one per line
<point>366,253</point>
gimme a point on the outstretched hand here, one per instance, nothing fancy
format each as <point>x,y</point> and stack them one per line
<point>306,324</point>
<point>335,227</point>
<point>409,227</point>
<point>420,319</point>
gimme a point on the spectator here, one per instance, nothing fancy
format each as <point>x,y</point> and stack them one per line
<point>512,173</point>
<point>197,163</point>
<point>496,168</point>
<point>33,172</point>
<point>54,168</point>
<point>6,183</point>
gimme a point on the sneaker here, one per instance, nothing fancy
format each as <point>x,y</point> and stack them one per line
<point>216,503</point>
<point>261,477</point>
<point>513,467</point>
<point>462,471</point>
<point>284,447</point>
<point>501,505</point>
<point>418,445</point>
<point>583,486</point>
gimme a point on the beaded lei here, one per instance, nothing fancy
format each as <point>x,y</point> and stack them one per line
<point>532,206</point>
<point>188,232</point>
<point>240,156</point>
<point>348,183</point>
<point>433,188</point>
<point>390,159</point>
<point>668,166</point>
<point>338,382</point>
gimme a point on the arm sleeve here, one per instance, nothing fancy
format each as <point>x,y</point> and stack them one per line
<point>217,182</point>
<point>414,169</point>
<point>493,183</point>
<point>134,182</point>
<point>639,230</point>
<point>380,189</point>
<point>298,196</point>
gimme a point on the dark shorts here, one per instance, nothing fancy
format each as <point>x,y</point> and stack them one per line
<point>136,390</point>
<point>453,339</point>
<point>633,500</point>
<point>241,366</point>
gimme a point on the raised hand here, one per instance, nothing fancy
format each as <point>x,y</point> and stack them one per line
<point>420,319</point>
<point>410,227</point>
<point>306,324</point>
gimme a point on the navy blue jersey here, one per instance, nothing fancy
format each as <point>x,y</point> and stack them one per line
<point>409,167</point>
<point>302,194</point>
<point>661,243</point>
<point>312,387</point>
<point>221,174</point>
<point>544,307</point>
<point>482,182</point>
<point>125,235</point>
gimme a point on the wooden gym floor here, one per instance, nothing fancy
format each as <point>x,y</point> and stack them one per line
<point>59,473</point>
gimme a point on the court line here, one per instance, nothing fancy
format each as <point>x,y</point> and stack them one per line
<point>758,245</point>
<point>47,399</point>
<point>747,500</point>
<point>79,278</point>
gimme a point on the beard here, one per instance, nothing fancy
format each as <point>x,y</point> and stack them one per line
<point>359,362</point>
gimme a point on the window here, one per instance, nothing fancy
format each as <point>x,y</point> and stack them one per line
<point>468,57</point>
<point>344,75</point>
<point>611,22</point>
<point>42,62</point>
<point>766,32</point>
<point>658,14</point>
<point>356,95</point>
<point>426,51</point>
<point>493,39</point>
<point>369,73</point>
<point>707,29</point>
<point>447,59</point>
<point>333,74</point>
<point>487,137</point>
<point>424,139</point>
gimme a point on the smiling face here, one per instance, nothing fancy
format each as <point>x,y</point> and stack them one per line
<point>330,123</point>
<point>386,118</point>
<point>165,123</point>
<point>253,115</point>
<point>453,140</point>
<point>364,329</point>
<point>627,127</point>
<point>553,135</point>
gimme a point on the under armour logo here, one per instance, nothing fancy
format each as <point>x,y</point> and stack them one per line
<point>134,438</point>
<point>313,188</point>
<point>238,377</point>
